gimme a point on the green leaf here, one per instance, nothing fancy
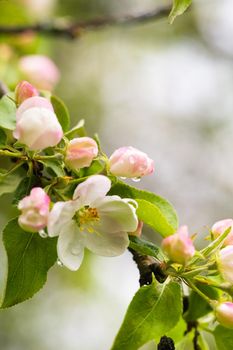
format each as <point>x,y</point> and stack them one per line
<point>153,210</point>
<point>29,259</point>
<point>9,183</point>
<point>77,131</point>
<point>143,247</point>
<point>55,165</point>
<point>152,313</point>
<point>224,338</point>
<point>7,113</point>
<point>3,138</point>
<point>198,307</point>
<point>187,342</point>
<point>95,168</point>
<point>177,333</point>
<point>24,188</point>
<point>61,112</point>
<point>178,8</point>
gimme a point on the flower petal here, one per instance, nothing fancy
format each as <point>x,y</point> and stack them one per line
<point>60,215</point>
<point>105,244</point>
<point>70,247</point>
<point>96,186</point>
<point>115,215</point>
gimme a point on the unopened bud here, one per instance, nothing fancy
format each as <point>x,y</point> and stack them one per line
<point>80,152</point>
<point>130,162</point>
<point>23,91</point>
<point>224,314</point>
<point>179,246</point>
<point>225,263</point>
<point>220,227</point>
<point>35,210</point>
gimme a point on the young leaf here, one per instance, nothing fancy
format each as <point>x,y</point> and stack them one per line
<point>3,138</point>
<point>224,338</point>
<point>61,112</point>
<point>77,131</point>
<point>24,188</point>
<point>7,113</point>
<point>143,247</point>
<point>55,166</point>
<point>198,307</point>
<point>9,183</point>
<point>153,210</point>
<point>178,8</point>
<point>29,259</point>
<point>147,317</point>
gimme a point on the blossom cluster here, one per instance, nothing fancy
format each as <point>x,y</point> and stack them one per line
<point>93,218</point>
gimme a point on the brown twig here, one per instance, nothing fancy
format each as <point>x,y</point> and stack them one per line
<point>74,30</point>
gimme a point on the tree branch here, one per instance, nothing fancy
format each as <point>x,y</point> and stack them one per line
<point>59,28</point>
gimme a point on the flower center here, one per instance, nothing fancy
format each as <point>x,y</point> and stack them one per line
<point>86,217</point>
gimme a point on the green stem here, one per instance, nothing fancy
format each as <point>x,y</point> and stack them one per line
<point>11,154</point>
<point>192,285</point>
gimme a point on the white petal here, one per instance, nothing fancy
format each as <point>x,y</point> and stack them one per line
<point>96,186</point>
<point>116,215</point>
<point>60,215</point>
<point>70,247</point>
<point>106,244</point>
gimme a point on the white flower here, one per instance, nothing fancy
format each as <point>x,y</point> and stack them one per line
<point>92,220</point>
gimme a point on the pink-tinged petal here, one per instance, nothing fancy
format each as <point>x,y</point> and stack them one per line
<point>80,152</point>
<point>105,244</point>
<point>36,101</point>
<point>24,90</point>
<point>179,246</point>
<point>60,216</point>
<point>34,210</point>
<point>115,215</point>
<point>95,187</point>
<point>40,71</point>
<point>70,248</point>
<point>38,128</point>
<point>225,263</point>
<point>220,227</point>
<point>130,162</point>
<point>224,314</point>
<point>138,231</point>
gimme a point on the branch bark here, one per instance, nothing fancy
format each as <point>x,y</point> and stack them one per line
<point>59,28</point>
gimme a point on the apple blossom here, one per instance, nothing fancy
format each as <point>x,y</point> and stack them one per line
<point>130,162</point>
<point>80,152</point>
<point>179,246</point>
<point>40,71</point>
<point>224,314</point>
<point>92,220</point>
<point>24,90</point>
<point>220,227</point>
<point>36,124</point>
<point>225,263</point>
<point>35,210</point>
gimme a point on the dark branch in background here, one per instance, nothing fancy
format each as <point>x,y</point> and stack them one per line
<point>147,267</point>
<point>166,343</point>
<point>75,30</point>
<point>3,89</point>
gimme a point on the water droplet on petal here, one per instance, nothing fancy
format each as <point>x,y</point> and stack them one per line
<point>59,263</point>
<point>136,179</point>
<point>122,177</point>
<point>43,234</point>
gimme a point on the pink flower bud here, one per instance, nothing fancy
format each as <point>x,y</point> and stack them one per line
<point>138,231</point>
<point>40,71</point>
<point>24,90</point>
<point>179,246</point>
<point>35,210</point>
<point>130,162</point>
<point>225,263</point>
<point>224,314</point>
<point>220,227</point>
<point>80,152</point>
<point>36,124</point>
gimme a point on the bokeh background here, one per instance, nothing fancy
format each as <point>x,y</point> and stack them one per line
<point>164,89</point>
